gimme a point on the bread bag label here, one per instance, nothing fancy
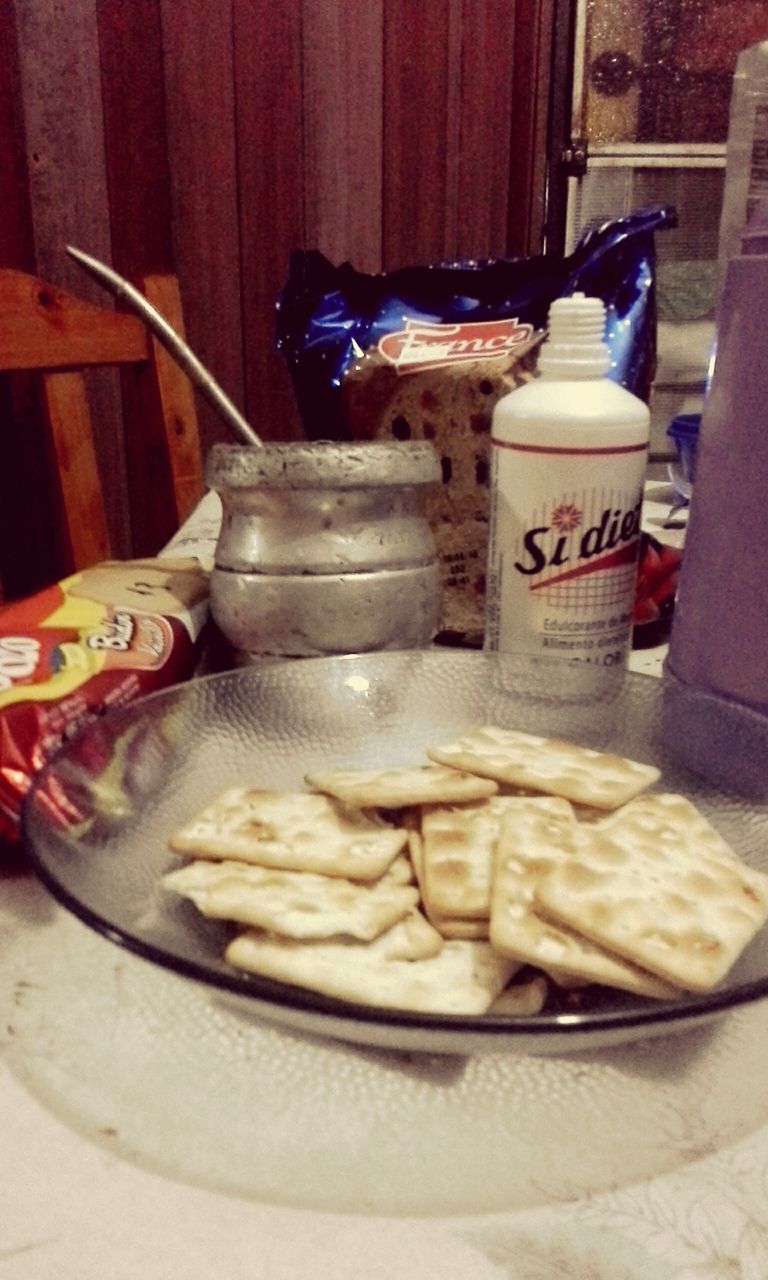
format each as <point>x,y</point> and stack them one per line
<point>432,346</point>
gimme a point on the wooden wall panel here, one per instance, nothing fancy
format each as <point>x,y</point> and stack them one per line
<point>270,166</point>
<point>421,82</point>
<point>343,130</point>
<point>532,70</point>
<point>139,190</point>
<point>61,88</point>
<point>136,153</point>
<point>16,235</point>
<point>487,115</point>
<point>213,138</point>
<point>202,152</point>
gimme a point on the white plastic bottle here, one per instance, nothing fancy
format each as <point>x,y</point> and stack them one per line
<point>568,462</point>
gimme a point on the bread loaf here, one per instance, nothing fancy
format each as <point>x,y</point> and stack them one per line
<point>450,406</point>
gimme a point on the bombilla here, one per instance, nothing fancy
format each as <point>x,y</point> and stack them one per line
<point>169,338</point>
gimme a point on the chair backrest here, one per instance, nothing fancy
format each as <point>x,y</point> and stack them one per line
<point>44,329</point>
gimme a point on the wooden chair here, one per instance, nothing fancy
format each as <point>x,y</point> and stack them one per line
<point>59,336</point>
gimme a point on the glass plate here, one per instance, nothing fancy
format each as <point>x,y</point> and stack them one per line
<point>98,818</point>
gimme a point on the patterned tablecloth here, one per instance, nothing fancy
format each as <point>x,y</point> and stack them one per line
<point>148,1132</point>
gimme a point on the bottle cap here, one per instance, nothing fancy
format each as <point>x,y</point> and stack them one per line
<point>575,346</point>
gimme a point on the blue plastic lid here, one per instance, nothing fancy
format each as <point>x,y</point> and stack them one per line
<point>685,426</point>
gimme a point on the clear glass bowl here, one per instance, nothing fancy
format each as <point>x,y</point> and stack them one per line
<point>98,819</point>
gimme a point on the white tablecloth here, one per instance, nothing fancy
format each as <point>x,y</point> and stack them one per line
<point>97,1179</point>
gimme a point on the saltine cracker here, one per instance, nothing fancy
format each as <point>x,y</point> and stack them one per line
<point>580,774</point>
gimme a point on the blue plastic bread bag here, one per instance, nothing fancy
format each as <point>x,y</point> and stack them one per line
<point>424,353</point>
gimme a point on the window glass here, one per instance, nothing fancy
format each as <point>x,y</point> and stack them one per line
<point>660,71</point>
<point>652,93</point>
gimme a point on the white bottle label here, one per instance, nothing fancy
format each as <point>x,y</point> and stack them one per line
<point>563,550</point>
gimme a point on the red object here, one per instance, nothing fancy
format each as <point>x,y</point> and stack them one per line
<point>54,680</point>
<point>657,577</point>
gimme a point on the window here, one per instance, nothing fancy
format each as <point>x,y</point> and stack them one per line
<point>652,86</point>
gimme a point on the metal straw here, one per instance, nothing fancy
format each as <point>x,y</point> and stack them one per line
<point>168,338</point>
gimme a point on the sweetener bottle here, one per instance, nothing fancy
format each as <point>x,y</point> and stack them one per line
<point>568,462</point>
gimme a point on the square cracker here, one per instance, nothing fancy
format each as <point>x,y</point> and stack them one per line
<point>292,830</point>
<point>296,904</point>
<point>657,884</point>
<point>459,844</point>
<point>523,999</point>
<point>395,787</point>
<point>462,978</point>
<point>447,925</point>
<point>580,774</point>
<point>457,927</point>
<point>536,835</point>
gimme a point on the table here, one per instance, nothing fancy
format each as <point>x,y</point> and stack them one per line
<point>92,1188</point>
<point>130,1106</point>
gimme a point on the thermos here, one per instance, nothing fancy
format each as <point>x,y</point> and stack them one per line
<point>717,669</point>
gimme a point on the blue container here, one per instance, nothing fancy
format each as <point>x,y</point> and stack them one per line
<point>684,431</point>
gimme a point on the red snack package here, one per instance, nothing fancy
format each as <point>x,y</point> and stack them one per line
<point>658,570</point>
<point>93,641</point>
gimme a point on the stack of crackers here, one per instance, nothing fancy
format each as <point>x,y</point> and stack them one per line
<point>507,864</point>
